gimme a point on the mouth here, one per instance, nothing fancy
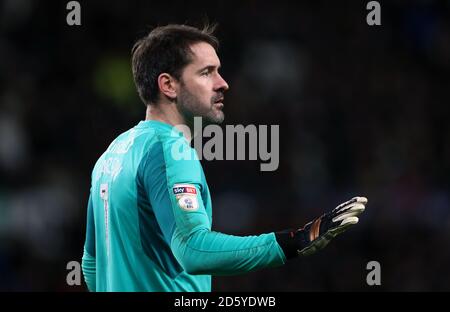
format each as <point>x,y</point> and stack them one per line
<point>219,102</point>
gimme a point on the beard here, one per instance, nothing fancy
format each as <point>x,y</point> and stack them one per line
<point>191,106</point>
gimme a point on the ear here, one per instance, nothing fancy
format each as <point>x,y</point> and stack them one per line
<point>168,85</point>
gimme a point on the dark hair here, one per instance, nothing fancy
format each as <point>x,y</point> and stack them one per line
<point>166,49</point>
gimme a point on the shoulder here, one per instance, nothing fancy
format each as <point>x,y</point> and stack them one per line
<point>172,153</point>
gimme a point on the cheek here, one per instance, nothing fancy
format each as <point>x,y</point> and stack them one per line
<point>201,89</point>
<point>203,92</point>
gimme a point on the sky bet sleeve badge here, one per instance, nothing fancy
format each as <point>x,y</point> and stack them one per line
<point>186,195</point>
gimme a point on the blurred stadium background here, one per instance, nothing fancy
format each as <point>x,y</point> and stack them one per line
<point>362,110</point>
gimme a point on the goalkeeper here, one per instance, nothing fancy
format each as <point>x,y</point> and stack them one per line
<point>150,214</point>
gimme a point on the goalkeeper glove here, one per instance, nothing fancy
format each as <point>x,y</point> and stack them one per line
<point>316,234</point>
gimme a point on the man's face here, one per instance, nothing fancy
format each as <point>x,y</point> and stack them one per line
<point>201,89</point>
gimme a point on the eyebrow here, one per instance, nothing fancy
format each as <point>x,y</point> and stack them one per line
<point>209,68</point>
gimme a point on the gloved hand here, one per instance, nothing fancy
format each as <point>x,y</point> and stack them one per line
<point>316,234</point>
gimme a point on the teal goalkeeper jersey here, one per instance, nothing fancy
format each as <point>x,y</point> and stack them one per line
<point>149,219</point>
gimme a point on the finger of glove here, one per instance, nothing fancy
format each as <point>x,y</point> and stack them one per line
<point>348,202</point>
<point>351,211</point>
<point>358,199</point>
<point>347,222</point>
<point>353,207</point>
<point>344,226</point>
<point>361,199</point>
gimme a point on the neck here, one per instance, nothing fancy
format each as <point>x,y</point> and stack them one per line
<point>169,114</point>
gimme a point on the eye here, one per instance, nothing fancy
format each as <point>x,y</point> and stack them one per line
<point>206,73</point>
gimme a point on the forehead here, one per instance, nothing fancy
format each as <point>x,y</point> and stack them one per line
<point>204,55</point>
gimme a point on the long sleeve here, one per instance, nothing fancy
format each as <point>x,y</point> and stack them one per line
<point>88,263</point>
<point>208,252</point>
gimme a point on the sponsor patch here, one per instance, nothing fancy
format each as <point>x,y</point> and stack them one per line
<point>188,202</point>
<point>179,189</point>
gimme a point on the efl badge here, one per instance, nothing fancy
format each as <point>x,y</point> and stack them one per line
<point>186,195</point>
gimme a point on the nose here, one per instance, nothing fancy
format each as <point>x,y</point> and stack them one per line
<point>221,84</point>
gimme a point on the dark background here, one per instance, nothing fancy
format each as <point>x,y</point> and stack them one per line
<point>362,111</point>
